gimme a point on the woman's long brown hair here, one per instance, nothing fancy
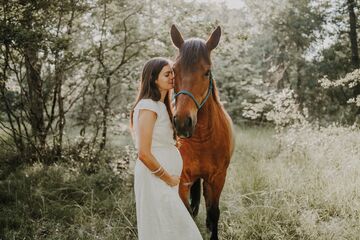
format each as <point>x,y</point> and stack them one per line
<point>148,88</point>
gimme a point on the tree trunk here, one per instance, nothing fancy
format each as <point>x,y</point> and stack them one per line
<point>354,47</point>
<point>60,100</point>
<point>353,35</point>
<point>300,85</point>
<point>60,79</point>
<point>105,113</point>
<point>34,82</point>
<point>35,96</point>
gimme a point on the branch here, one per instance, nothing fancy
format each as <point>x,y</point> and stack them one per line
<point>122,62</point>
<point>5,128</point>
<point>100,49</point>
<point>51,117</point>
<point>77,98</point>
<point>7,143</point>
<point>29,140</point>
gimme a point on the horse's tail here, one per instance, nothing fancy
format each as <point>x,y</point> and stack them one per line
<point>195,194</point>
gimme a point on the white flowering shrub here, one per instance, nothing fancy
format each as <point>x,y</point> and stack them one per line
<point>351,80</point>
<point>279,107</point>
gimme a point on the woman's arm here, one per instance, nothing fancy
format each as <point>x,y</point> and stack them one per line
<point>146,125</point>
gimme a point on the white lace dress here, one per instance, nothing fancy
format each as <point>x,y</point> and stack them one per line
<point>161,215</point>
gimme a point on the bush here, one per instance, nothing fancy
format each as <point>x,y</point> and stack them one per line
<point>62,202</point>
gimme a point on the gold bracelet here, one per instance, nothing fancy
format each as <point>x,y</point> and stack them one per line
<point>162,174</point>
<point>157,170</point>
<point>159,173</point>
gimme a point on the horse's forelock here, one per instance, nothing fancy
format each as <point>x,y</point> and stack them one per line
<point>192,52</point>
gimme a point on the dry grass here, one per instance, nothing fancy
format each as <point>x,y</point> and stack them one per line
<point>302,184</point>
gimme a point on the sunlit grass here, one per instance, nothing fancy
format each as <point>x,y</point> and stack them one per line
<point>300,185</point>
<point>295,188</point>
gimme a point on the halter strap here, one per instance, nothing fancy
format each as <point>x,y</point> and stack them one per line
<point>185,92</point>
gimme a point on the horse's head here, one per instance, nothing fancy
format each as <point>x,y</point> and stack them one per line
<point>193,79</point>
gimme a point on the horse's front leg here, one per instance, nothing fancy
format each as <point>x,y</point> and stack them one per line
<point>184,191</point>
<point>212,190</point>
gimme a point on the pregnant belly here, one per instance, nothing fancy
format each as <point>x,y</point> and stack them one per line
<point>169,158</point>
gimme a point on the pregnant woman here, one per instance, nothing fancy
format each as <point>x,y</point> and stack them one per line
<point>160,213</point>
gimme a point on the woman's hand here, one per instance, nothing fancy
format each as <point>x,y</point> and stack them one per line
<point>172,180</point>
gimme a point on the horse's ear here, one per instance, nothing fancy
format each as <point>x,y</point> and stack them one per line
<point>214,39</point>
<point>176,37</point>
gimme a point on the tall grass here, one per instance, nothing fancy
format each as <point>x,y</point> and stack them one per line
<point>62,202</point>
<point>300,184</point>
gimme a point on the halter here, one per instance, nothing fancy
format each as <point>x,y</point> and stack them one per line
<point>192,96</point>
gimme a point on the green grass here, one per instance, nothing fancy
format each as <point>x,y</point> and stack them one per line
<point>60,202</point>
<point>306,190</point>
<point>304,185</point>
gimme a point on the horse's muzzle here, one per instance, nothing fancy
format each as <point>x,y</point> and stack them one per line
<point>184,127</point>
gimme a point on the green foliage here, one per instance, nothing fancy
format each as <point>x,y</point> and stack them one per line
<point>62,202</point>
<point>282,188</point>
<point>264,46</point>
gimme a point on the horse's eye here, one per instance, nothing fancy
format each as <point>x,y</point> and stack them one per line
<point>207,74</point>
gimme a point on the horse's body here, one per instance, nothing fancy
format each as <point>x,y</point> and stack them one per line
<point>206,138</point>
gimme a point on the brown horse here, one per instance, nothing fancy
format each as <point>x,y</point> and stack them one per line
<point>204,128</point>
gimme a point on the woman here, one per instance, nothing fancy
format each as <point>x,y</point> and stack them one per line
<point>161,215</point>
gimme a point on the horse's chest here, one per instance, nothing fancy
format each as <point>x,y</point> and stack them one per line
<point>214,153</point>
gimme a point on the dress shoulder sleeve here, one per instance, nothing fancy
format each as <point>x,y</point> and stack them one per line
<point>147,104</point>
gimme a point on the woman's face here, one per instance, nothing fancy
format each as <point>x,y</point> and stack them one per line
<point>165,79</point>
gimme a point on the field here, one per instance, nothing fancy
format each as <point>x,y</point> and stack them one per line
<point>302,184</point>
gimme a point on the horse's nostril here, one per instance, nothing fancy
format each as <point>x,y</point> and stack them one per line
<point>188,122</point>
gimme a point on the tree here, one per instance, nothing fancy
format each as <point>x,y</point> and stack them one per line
<point>354,44</point>
<point>119,45</point>
<point>36,39</point>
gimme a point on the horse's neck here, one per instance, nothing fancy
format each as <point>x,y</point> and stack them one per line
<point>207,119</point>
<point>205,115</point>
<point>212,120</point>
